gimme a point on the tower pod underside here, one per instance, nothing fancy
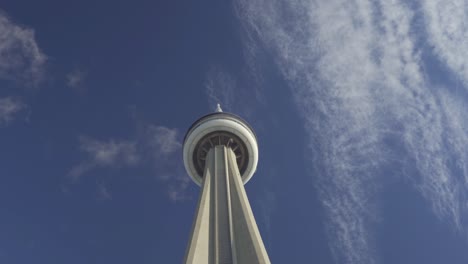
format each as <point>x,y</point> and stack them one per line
<point>220,129</point>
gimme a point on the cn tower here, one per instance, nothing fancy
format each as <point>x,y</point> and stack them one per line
<point>220,155</point>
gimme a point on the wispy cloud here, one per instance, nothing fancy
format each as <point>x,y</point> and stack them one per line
<point>20,56</point>
<point>163,140</point>
<point>358,82</point>
<point>75,79</point>
<point>164,151</point>
<point>154,149</point>
<point>110,154</point>
<point>177,189</point>
<point>219,88</point>
<point>345,106</point>
<point>447,28</point>
<point>9,108</point>
<point>103,192</point>
<point>239,93</point>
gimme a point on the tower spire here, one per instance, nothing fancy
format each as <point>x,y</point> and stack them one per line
<point>218,108</point>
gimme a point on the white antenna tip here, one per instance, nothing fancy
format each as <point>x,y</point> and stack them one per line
<point>218,108</point>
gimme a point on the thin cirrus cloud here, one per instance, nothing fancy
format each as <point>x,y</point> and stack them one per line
<point>151,149</point>
<point>163,140</point>
<point>162,144</point>
<point>448,33</point>
<point>9,109</point>
<point>105,154</point>
<point>75,79</point>
<point>219,88</point>
<point>232,92</point>
<point>20,57</point>
<point>21,60</point>
<point>358,82</point>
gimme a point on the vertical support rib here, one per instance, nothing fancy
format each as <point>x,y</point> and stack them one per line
<point>249,244</point>
<point>200,247</point>
<point>224,230</point>
<point>222,233</point>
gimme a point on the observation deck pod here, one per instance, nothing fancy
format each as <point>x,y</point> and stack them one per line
<point>217,129</point>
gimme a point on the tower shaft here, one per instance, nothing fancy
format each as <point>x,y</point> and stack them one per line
<point>224,230</point>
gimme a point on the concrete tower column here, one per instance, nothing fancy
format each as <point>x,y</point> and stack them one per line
<point>221,154</point>
<point>224,230</point>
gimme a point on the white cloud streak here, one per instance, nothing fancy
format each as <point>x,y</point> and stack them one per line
<point>75,79</point>
<point>110,153</point>
<point>101,154</point>
<point>219,87</point>
<point>358,82</point>
<point>447,28</point>
<point>155,148</point>
<point>163,140</point>
<point>20,56</point>
<point>163,145</point>
<point>9,108</point>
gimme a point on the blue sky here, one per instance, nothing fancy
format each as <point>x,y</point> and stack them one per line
<point>359,109</point>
